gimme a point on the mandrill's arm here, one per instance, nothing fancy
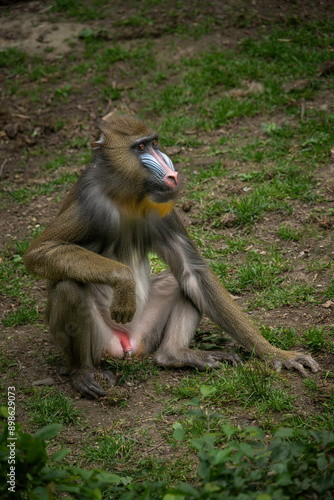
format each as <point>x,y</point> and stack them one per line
<point>57,255</point>
<point>204,289</point>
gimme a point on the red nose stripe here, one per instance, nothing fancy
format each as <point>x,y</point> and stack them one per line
<point>172,177</point>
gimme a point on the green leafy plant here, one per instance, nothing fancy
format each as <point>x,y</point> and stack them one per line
<point>295,464</point>
<point>33,478</point>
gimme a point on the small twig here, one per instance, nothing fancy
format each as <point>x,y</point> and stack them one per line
<point>156,446</point>
<point>108,108</point>
<point>3,166</point>
<point>302,109</point>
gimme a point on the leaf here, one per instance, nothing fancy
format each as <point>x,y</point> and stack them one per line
<point>172,496</point>
<point>86,33</point>
<point>284,433</point>
<point>204,443</point>
<point>195,412</point>
<point>247,450</point>
<point>179,434</point>
<point>97,495</point>
<point>216,415</point>
<point>188,490</point>
<point>211,487</point>
<point>41,493</point>
<point>177,425</point>
<point>284,479</point>
<point>255,432</point>
<point>322,462</point>
<point>327,438</point>
<point>264,496</point>
<point>204,471</point>
<point>279,468</point>
<point>220,456</point>
<point>324,483</point>
<point>53,474</point>
<point>60,454</point>
<point>48,432</point>
<point>68,488</point>
<point>36,452</point>
<point>244,496</point>
<point>194,401</point>
<point>4,411</point>
<point>108,477</point>
<point>206,390</point>
<point>229,430</point>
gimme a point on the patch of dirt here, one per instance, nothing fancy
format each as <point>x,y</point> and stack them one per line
<point>50,40</point>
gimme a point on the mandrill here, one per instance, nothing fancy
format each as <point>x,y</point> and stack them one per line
<point>101,297</point>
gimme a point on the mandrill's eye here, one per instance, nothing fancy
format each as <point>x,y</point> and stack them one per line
<point>154,143</point>
<point>141,146</point>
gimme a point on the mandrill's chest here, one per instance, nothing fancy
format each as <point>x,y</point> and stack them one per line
<point>131,249</point>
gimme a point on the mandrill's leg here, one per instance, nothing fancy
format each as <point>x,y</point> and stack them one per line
<point>73,325</point>
<point>169,324</point>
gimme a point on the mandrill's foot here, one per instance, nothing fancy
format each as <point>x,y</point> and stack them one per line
<point>230,357</point>
<point>197,359</point>
<point>297,361</point>
<point>84,382</point>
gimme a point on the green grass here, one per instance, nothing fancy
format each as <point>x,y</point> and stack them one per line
<point>137,371</point>
<point>282,337</point>
<point>80,10</point>
<point>28,193</point>
<point>109,449</point>
<point>288,233</point>
<point>7,362</point>
<point>51,406</point>
<point>14,283</point>
<point>314,338</point>
<point>13,60</point>
<point>286,294</point>
<point>257,60</point>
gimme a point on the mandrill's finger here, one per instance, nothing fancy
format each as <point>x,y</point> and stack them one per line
<point>311,363</point>
<point>117,317</point>
<point>88,387</point>
<point>298,361</point>
<point>234,359</point>
<point>231,357</point>
<point>127,317</point>
<point>237,359</point>
<point>130,317</point>
<point>277,364</point>
<point>297,366</point>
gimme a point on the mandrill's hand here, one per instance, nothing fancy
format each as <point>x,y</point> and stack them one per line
<point>83,381</point>
<point>296,360</point>
<point>123,305</point>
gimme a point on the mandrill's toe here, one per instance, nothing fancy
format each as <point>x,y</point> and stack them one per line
<point>297,361</point>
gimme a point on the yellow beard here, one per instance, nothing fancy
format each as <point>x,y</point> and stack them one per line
<point>146,206</point>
